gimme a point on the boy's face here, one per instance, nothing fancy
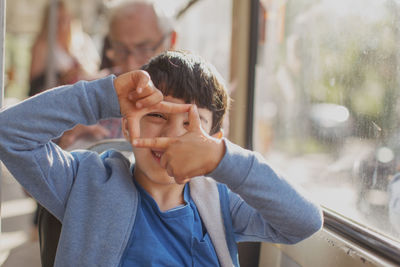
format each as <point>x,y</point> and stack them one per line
<point>148,169</point>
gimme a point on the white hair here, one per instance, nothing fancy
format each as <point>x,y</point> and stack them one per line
<point>120,8</point>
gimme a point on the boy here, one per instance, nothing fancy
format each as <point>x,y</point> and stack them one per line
<point>161,211</point>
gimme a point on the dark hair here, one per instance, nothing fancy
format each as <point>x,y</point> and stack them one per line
<point>186,76</point>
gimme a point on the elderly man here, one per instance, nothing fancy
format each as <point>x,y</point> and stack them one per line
<point>137,32</point>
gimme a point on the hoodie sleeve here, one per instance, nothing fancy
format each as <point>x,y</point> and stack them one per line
<point>45,170</point>
<point>263,205</point>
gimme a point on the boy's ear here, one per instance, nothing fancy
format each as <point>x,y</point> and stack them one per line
<point>218,134</point>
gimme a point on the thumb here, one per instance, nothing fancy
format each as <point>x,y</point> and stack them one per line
<point>140,80</point>
<point>131,81</point>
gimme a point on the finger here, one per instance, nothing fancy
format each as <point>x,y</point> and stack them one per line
<point>181,178</point>
<point>140,80</point>
<point>164,161</point>
<point>169,170</point>
<point>143,92</point>
<point>158,142</point>
<point>149,89</point>
<point>133,126</point>
<point>194,119</point>
<point>131,81</point>
<point>169,107</point>
<point>182,181</point>
<point>150,100</point>
<point>132,95</point>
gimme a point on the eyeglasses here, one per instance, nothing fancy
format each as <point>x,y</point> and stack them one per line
<point>140,52</point>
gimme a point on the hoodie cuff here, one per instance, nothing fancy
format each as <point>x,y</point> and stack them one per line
<point>234,166</point>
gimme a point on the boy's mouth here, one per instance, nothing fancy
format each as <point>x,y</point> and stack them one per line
<point>157,155</point>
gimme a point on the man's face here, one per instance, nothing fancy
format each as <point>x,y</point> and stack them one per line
<point>135,39</point>
<point>148,170</point>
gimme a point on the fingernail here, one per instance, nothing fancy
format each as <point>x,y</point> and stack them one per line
<point>135,142</point>
<point>139,90</point>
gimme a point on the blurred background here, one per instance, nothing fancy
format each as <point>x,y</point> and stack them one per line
<point>194,22</point>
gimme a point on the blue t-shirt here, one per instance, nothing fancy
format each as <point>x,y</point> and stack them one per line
<point>176,237</point>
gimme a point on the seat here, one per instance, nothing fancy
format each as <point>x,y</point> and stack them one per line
<point>49,226</point>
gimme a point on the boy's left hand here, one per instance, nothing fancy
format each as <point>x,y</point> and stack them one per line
<point>193,154</point>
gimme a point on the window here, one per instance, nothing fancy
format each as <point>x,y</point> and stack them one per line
<point>198,32</point>
<point>327,103</point>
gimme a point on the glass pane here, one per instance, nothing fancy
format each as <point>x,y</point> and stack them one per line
<point>198,32</point>
<point>327,103</point>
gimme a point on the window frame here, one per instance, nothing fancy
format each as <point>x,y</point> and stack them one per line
<point>363,236</point>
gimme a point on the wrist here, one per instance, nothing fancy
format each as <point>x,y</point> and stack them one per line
<point>218,152</point>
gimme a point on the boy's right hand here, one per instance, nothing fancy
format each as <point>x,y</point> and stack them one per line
<point>138,96</point>
<point>135,90</point>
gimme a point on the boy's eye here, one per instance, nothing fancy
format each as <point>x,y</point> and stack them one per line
<point>157,116</point>
<point>186,123</point>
